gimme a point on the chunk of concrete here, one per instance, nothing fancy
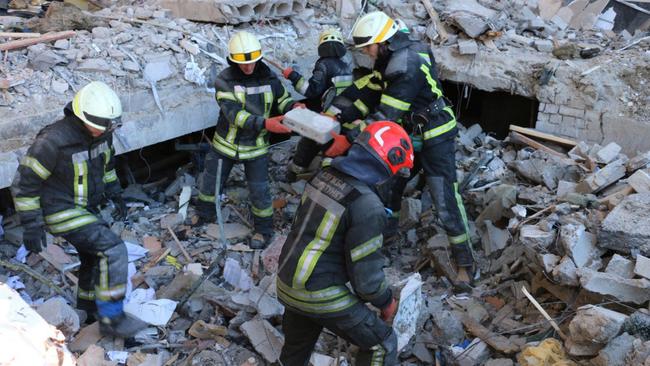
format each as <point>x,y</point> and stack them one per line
<point>642,267</point>
<point>608,153</point>
<point>626,290</point>
<point>620,266</point>
<point>59,86</point>
<point>549,261</point>
<point>638,324</point>
<point>158,69</point>
<point>606,176</point>
<point>228,12</point>
<point>494,238</point>
<point>566,272</point>
<point>410,212</point>
<point>476,353</point>
<point>499,362</point>
<point>534,237</point>
<point>544,45</point>
<point>615,353</point>
<point>471,24</point>
<point>101,32</point>
<point>190,46</point>
<point>564,188</point>
<point>410,306</point>
<point>130,65</point>
<point>467,47</point>
<point>596,324</point>
<point>232,231</point>
<point>638,162</point>
<point>266,340</point>
<point>640,181</point>
<point>627,226</point>
<point>61,315</point>
<point>581,246</point>
<point>94,65</point>
<point>267,306</point>
<point>311,125</point>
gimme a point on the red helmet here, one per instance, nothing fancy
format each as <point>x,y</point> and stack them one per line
<point>390,143</point>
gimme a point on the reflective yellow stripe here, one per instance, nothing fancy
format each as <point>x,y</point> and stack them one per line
<point>284,100</point>
<point>325,294</point>
<point>268,102</point>
<point>435,132</point>
<point>461,208</point>
<point>378,355</point>
<point>110,176</point>
<point>27,203</point>
<point>232,134</point>
<point>361,251</point>
<point>432,83</point>
<point>206,198</point>
<point>361,106</point>
<point>80,184</point>
<point>315,249</point>
<point>260,141</point>
<point>302,85</point>
<point>224,149</point>
<point>85,295</point>
<point>240,119</point>
<point>226,95</point>
<point>113,293</point>
<point>253,154</point>
<point>458,239</point>
<point>426,57</point>
<point>265,212</point>
<point>36,167</point>
<point>72,224</point>
<point>322,308</point>
<point>382,34</point>
<point>394,102</point>
<point>64,215</point>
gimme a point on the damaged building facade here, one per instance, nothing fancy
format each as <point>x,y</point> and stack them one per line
<point>553,162</point>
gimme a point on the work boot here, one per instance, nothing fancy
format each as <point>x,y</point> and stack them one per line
<point>206,213</point>
<point>259,241</point>
<point>122,326</point>
<point>462,255</point>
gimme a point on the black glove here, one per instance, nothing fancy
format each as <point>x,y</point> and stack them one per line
<point>34,239</point>
<point>120,208</point>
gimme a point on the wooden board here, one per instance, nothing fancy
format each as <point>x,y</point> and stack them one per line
<point>517,137</point>
<point>544,136</point>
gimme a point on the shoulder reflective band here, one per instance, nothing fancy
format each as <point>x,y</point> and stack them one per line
<point>36,167</point>
<point>361,251</point>
<point>242,57</point>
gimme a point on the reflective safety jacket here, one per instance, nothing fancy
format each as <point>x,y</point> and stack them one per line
<point>335,240</point>
<point>245,102</point>
<point>64,176</point>
<point>412,85</point>
<point>328,72</point>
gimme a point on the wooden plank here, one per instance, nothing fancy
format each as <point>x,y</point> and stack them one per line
<point>49,37</point>
<point>433,14</point>
<point>180,245</point>
<point>494,340</point>
<point>543,136</point>
<point>517,137</point>
<point>19,35</point>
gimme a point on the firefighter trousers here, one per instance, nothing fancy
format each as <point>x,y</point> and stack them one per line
<point>376,340</point>
<point>439,164</point>
<point>104,261</point>
<point>257,178</point>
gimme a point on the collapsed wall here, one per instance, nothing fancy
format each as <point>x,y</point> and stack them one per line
<point>233,12</point>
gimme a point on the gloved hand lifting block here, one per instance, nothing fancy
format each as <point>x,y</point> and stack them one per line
<point>311,125</point>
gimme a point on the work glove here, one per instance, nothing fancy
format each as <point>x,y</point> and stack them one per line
<point>299,105</point>
<point>339,146</point>
<point>274,124</point>
<point>34,239</point>
<point>121,211</point>
<point>388,313</point>
<point>286,72</point>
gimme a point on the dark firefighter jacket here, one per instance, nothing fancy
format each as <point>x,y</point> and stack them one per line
<point>328,72</point>
<point>64,174</point>
<point>245,101</point>
<point>335,239</point>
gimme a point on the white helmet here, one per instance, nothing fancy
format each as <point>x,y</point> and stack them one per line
<point>98,106</point>
<point>244,48</point>
<point>375,27</point>
<point>330,34</point>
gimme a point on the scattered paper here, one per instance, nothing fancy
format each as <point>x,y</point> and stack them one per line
<point>119,356</point>
<point>135,251</point>
<point>141,304</point>
<point>21,254</point>
<point>235,276</point>
<point>193,73</point>
<point>410,305</point>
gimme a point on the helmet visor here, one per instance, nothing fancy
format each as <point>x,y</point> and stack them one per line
<point>243,57</point>
<point>108,124</point>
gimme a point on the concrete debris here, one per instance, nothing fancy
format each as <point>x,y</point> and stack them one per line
<point>534,237</point>
<point>642,266</point>
<point>266,339</point>
<point>596,324</point>
<point>143,305</point>
<point>476,353</point>
<point>566,272</point>
<point>225,12</point>
<point>94,356</point>
<point>608,153</point>
<point>603,178</point>
<point>410,306</point>
<point>638,324</point>
<point>267,306</point>
<point>627,226</point>
<point>640,181</point>
<point>549,261</point>
<point>61,315</point>
<point>620,266</point>
<point>410,212</point>
<point>468,47</point>
<point>626,290</point>
<point>616,351</point>
<point>581,246</point>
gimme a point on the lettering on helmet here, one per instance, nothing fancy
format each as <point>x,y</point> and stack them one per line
<point>380,132</point>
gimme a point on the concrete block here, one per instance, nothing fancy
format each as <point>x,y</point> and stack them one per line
<point>555,119</point>
<point>620,266</point>
<point>266,340</point>
<point>571,112</point>
<point>543,117</point>
<point>494,238</point>
<point>190,46</point>
<point>640,181</point>
<point>566,273</point>
<point>582,349</point>
<point>410,212</point>
<point>638,324</point>
<point>94,65</point>
<point>229,12</point>
<point>534,237</point>
<point>158,69</point>
<point>267,306</point>
<point>467,47</point>
<point>543,45</point>
<point>642,267</point>
<point>549,261</point>
<point>608,153</point>
<point>626,290</point>
<point>627,226</point>
<point>564,188</point>
<point>61,315</point>
<point>596,324</point>
<point>552,108</point>
<point>471,24</point>
<point>638,162</point>
<point>476,353</point>
<point>580,245</point>
<point>101,32</point>
<point>311,124</point>
<point>614,354</point>
<point>59,86</point>
<point>606,176</point>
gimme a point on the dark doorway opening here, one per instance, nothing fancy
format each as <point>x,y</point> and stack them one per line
<point>494,111</point>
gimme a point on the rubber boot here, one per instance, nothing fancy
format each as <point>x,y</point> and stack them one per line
<point>123,326</point>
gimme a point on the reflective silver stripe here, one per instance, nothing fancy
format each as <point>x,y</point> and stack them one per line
<point>36,166</point>
<point>240,118</point>
<point>302,85</point>
<point>315,249</point>
<point>367,248</point>
<point>27,203</point>
<point>318,308</point>
<point>72,224</point>
<point>98,150</point>
<point>342,81</point>
<point>258,89</point>
<point>61,216</point>
<point>80,184</point>
<point>323,200</point>
<point>113,293</point>
<point>253,154</point>
<point>240,93</point>
<point>110,176</point>
<point>313,296</point>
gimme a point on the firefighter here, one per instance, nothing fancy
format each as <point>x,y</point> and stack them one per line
<point>412,96</point>
<point>252,103</point>
<point>60,182</point>
<point>336,239</point>
<point>331,75</point>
